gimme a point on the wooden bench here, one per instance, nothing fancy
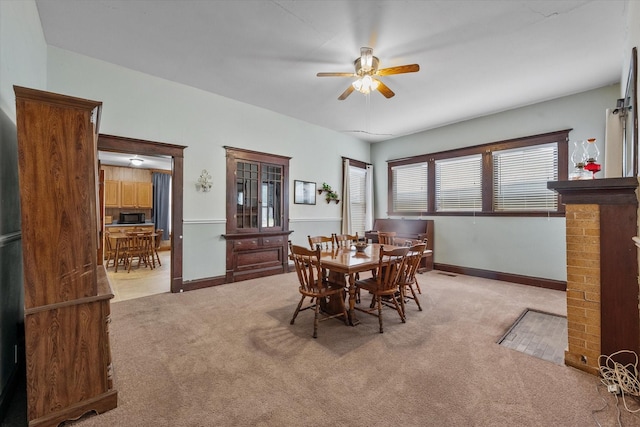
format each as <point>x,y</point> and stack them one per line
<point>409,229</point>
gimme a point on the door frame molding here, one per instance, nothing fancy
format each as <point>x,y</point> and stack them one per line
<point>120,144</point>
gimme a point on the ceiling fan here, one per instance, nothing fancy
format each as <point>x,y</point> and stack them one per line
<point>366,70</point>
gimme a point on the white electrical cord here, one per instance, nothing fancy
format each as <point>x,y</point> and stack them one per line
<point>606,405</point>
<point>620,378</point>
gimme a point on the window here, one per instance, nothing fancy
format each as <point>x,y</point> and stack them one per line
<point>459,184</point>
<point>500,178</point>
<point>357,206</point>
<point>410,191</point>
<point>520,178</point>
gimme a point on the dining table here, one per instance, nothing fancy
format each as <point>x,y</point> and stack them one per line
<point>342,263</point>
<point>120,239</point>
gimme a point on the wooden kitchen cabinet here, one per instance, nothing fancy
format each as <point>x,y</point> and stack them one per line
<point>136,195</point>
<point>112,194</point>
<point>66,290</point>
<point>144,195</point>
<point>128,194</point>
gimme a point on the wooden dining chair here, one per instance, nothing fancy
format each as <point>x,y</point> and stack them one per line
<point>410,243</point>
<point>345,240</point>
<point>386,237</point>
<point>110,251</point>
<point>139,245</point>
<point>385,284</point>
<point>312,285</point>
<point>156,244</point>
<point>325,243</point>
<point>118,250</point>
<point>408,279</point>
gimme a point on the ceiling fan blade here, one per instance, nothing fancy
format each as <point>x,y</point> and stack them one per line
<point>400,69</point>
<point>384,89</point>
<point>336,74</point>
<point>346,93</point>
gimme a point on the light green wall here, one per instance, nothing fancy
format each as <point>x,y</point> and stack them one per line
<point>141,106</point>
<point>23,51</point>
<point>526,246</point>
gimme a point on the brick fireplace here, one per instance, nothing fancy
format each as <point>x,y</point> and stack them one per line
<point>602,269</point>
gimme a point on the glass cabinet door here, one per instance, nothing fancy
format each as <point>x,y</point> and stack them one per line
<point>258,195</point>
<point>271,196</point>
<point>247,195</point>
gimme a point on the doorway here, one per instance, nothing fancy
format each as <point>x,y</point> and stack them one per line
<point>118,144</point>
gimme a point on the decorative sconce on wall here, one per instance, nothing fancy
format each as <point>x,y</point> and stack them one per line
<point>204,182</point>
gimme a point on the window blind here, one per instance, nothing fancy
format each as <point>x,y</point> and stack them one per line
<point>459,184</point>
<point>520,178</point>
<point>409,190</point>
<point>357,196</point>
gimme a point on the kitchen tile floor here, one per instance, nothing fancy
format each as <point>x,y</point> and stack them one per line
<point>141,281</point>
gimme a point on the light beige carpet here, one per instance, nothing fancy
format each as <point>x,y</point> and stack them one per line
<point>227,356</point>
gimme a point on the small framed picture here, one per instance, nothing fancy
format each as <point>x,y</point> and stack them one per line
<point>304,193</point>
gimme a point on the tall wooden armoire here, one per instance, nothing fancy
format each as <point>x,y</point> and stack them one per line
<point>66,291</point>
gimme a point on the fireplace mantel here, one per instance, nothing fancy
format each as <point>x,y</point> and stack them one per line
<point>602,269</point>
<point>609,191</point>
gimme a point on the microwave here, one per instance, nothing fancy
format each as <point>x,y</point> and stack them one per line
<point>131,218</point>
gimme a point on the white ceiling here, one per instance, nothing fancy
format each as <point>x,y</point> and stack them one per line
<point>124,160</point>
<point>476,57</point>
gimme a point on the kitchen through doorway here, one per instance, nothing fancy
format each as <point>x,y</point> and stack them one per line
<point>136,196</point>
<point>134,168</point>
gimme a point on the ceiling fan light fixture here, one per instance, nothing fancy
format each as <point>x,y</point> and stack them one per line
<point>365,84</point>
<point>367,71</point>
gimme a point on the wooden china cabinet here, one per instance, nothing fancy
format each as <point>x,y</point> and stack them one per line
<point>66,291</point>
<point>257,214</point>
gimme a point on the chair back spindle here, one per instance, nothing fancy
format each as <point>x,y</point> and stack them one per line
<point>345,240</point>
<point>325,243</point>
<point>386,237</point>
<point>391,267</point>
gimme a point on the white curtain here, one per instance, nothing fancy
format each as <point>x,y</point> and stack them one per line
<point>346,200</point>
<point>369,198</point>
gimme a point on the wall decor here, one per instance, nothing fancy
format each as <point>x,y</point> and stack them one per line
<point>304,192</point>
<point>331,195</point>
